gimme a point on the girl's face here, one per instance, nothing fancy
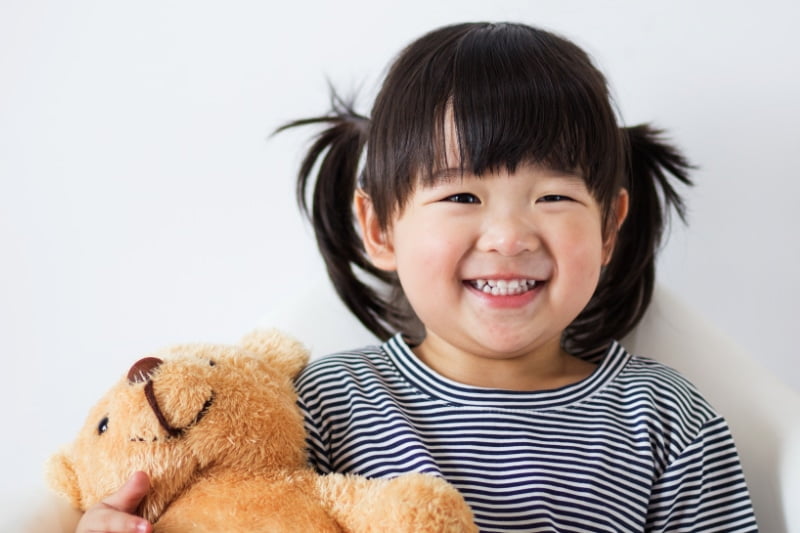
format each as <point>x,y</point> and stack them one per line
<point>497,266</point>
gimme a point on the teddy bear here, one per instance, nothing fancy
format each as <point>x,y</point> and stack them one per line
<point>218,430</point>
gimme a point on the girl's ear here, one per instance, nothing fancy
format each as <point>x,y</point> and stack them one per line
<point>620,213</point>
<point>377,242</point>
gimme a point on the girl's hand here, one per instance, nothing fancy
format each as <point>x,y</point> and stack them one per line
<point>114,514</point>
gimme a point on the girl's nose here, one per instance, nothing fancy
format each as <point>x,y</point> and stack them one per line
<point>508,234</point>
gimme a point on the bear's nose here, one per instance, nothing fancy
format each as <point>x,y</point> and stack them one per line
<point>142,369</point>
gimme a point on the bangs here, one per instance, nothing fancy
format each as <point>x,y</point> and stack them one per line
<point>514,95</point>
<point>517,98</point>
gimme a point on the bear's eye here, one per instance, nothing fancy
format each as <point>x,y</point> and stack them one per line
<point>212,363</point>
<point>102,427</point>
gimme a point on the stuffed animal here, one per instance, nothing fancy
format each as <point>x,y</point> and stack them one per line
<point>218,431</point>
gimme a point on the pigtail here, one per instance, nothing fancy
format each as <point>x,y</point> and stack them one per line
<point>335,154</point>
<point>627,282</point>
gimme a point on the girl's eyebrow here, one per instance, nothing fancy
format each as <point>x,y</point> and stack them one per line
<point>565,173</point>
<point>571,178</point>
<point>448,174</point>
<point>444,176</point>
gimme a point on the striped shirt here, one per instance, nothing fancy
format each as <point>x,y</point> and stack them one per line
<point>633,447</point>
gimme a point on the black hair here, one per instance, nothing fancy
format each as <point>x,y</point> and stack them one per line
<point>516,94</point>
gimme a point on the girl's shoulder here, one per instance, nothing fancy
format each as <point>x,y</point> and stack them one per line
<point>646,381</point>
<point>635,373</point>
<point>342,366</point>
<point>650,373</point>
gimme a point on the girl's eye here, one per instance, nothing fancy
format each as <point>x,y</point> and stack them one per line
<point>463,198</point>
<point>554,198</point>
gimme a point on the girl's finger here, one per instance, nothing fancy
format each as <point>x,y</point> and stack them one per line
<point>128,497</point>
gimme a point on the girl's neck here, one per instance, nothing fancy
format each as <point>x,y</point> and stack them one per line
<point>548,367</point>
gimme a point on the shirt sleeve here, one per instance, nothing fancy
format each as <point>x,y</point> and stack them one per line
<point>315,442</point>
<point>703,487</point>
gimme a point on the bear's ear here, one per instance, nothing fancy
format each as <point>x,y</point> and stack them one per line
<point>285,352</point>
<point>62,478</point>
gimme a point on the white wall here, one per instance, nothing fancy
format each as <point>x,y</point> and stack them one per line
<point>142,202</point>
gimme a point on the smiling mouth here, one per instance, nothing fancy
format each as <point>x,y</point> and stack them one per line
<point>504,287</point>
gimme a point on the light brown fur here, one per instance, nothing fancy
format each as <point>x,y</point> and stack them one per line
<point>236,459</point>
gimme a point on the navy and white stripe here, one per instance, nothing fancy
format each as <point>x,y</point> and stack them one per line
<point>633,447</point>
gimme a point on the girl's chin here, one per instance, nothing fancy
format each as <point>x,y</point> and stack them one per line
<point>505,343</point>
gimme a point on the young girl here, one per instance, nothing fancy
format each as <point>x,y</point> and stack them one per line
<point>506,234</point>
<point>505,237</point>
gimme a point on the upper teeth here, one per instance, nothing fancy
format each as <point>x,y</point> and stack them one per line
<point>502,287</point>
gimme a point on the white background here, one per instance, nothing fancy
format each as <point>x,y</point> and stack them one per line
<point>143,202</point>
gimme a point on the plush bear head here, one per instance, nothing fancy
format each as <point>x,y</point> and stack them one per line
<point>187,412</point>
